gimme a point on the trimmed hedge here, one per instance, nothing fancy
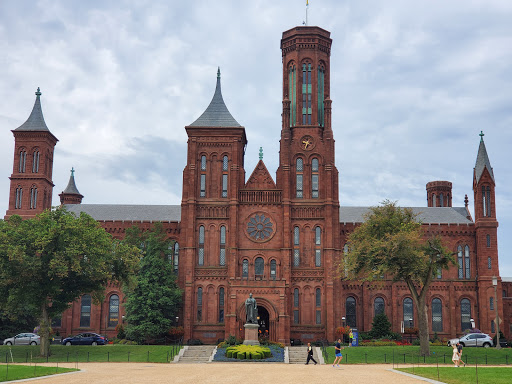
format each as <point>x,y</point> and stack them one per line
<point>246,352</point>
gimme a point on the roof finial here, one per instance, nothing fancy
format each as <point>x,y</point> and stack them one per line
<point>218,72</point>
<point>72,172</point>
<point>261,153</point>
<point>481,135</point>
<point>38,92</point>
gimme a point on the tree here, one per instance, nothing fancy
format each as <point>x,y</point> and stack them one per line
<point>49,261</point>
<point>391,241</point>
<point>380,326</point>
<point>154,302</point>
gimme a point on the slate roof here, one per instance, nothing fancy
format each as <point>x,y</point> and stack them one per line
<point>35,121</point>
<point>120,212</point>
<point>217,114</point>
<point>71,188</point>
<point>482,161</point>
<point>428,215</point>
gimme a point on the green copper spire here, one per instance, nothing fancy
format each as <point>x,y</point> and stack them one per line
<point>481,135</point>
<point>261,153</point>
<point>72,172</point>
<point>38,93</point>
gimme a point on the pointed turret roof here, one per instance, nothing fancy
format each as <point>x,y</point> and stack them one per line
<point>482,160</point>
<point>217,114</point>
<point>71,188</point>
<point>35,121</point>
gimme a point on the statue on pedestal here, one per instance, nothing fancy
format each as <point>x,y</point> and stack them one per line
<point>251,309</point>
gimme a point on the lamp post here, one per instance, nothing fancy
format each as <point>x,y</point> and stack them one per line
<point>410,330</point>
<point>472,321</point>
<point>497,321</point>
<point>343,319</point>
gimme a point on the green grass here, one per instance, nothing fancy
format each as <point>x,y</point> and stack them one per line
<point>18,372</point>
<point>452,375</point>
<point>410,354</point>
<point>87,353</point>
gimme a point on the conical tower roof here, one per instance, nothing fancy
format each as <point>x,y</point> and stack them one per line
<point>482,160</point>
<point>35,121</point>
<point>217,114</point>
<point>71,188</point>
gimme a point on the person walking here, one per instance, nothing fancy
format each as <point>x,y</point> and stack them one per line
<point>310,354</point>
<point>337,352</point>
<point>350,337</point>
<point>455,356</point>
<point>459,350</point>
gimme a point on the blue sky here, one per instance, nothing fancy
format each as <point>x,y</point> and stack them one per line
<point>412,84</point>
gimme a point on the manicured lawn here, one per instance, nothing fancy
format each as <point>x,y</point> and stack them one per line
<point>452,375</point>
<point>410,354</point>
<point>18,372</point>
<point>87,353</point>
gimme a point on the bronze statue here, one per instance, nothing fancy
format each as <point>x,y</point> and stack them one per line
<point>251,309</point>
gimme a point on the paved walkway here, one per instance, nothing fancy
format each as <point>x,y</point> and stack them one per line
<point>227,373</point>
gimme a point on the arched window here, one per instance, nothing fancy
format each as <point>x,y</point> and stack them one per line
<point>491,303</point>
<point>378,306</point>
<point>441,200</point>
<point>200,250</point>
<point>437,315</point>
<point>434,200</point>
<point>296,246</point>
<point>176,257</point>
<point>23,161</point>
<point>292,92</point>
<point>202,186</point>
<point>314,179</point>
<point>296,306</point>
<point>486,200</point>
<point>318,247</point>
<point>460,262</point>
<point>321,93</point>
<point>465,314</point>
<point>488,238</point>
<point>35,162</point>
<point>85,311</point>
<point>466,262</point>
<point>222,256</point>
<point>221,305</point>
<point>113,311</point>
<point>408,313</point>
<point>259,267</point>
<point>199,304</point>
<point>225,176</point>
<point>318,302</point>
<point>273,269</point>
<point>350,308</point>
<point>18,197</point>
<point>245,268</point>
<point>299,169</point>
<point>345,259</point>
<point>489,262</point>
<point>306,94</point>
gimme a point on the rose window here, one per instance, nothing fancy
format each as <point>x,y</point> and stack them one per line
<point>260,228</point>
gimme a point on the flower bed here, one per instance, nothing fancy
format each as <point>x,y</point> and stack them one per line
<point>250,353</point>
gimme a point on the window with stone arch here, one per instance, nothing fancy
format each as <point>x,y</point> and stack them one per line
<point>222,251</point>
<point>321,93</point>
<point>378,306</point>
<point>486,200</point>
<point>273,269</point>
<point>465,314</point>
<point>318,305</point>
<point>35,161</point>
<point>437,315</point>
<point>488,240</point>
<point>306,93</point>
<point>221,305</point>
<point>202,181</point>
<point>296,246</point>
<point>199,304</point>
<point>318,246</point>
<point>176,257</point>
<point>22,160</point>
<point>113,311</point>
<point>292,92</point>
<point>200,248</point>
<point>85,311</point>
<point>259,267</point>
<point>463,261</point>
<point>315,178</point>
<point>350,312</point>
<point>408,312</point>
<point>299,170</point>
<point>225,164</point>
<point>173,255</point>
<point>245,269</point>
<point>18,197</point>
<point>296,309</point>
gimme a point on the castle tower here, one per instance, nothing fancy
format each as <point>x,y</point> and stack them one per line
<point>71,195</point>
<point>486,226</point>
<point>31,180</point>
<point>439,194</point>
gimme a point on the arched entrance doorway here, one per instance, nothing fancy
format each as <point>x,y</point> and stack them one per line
<point>263,322</point>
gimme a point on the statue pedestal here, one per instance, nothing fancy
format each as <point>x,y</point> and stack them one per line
<point>251,334</point>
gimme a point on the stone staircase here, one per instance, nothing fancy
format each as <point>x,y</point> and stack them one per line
<point>298,355</point>
<point>196,354</point>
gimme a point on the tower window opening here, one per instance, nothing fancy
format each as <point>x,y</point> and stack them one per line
<point>225,176</point>
<point>318,249</point>
<point>292,92</point>
<point>296,246</point>
<point>314,178</point>
<point>18,198</point>
<point>306,94</point>
<point>23,161</point>
<point>222,252</point>
<point>486,201</point>
<point>321,92</point>
<point>35,162</point>
<point>299,181</point>
<point>200,250</point>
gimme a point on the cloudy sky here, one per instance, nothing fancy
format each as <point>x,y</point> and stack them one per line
<point>412,82</point>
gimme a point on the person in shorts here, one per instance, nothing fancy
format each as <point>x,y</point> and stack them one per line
<point>337,352</point>
<point>459,349</point>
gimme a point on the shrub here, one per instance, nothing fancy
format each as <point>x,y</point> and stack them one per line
<point>380,326</point>
<point>121,334</point>
<point>244,352</point>
<point>232,340</point>
<point>365,336</point>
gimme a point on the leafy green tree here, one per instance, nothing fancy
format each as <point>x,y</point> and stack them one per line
<point>391,241</point>
<point>380,326</point>
<point>49,261</point>
<point>154,302</point>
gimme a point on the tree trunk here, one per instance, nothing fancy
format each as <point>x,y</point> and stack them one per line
<point>44,332</point>
<point>423,326</point>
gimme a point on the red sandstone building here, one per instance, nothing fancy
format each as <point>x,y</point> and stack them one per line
<point>279,239</point>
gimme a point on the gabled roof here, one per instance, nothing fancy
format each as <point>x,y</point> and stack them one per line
<point>260,178</point>
<point>71,188</point>
<point>427,215</point>
<point>119,212</point>
<point>35,121</point>
<point>482,161</point>
<point>217,114</point>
